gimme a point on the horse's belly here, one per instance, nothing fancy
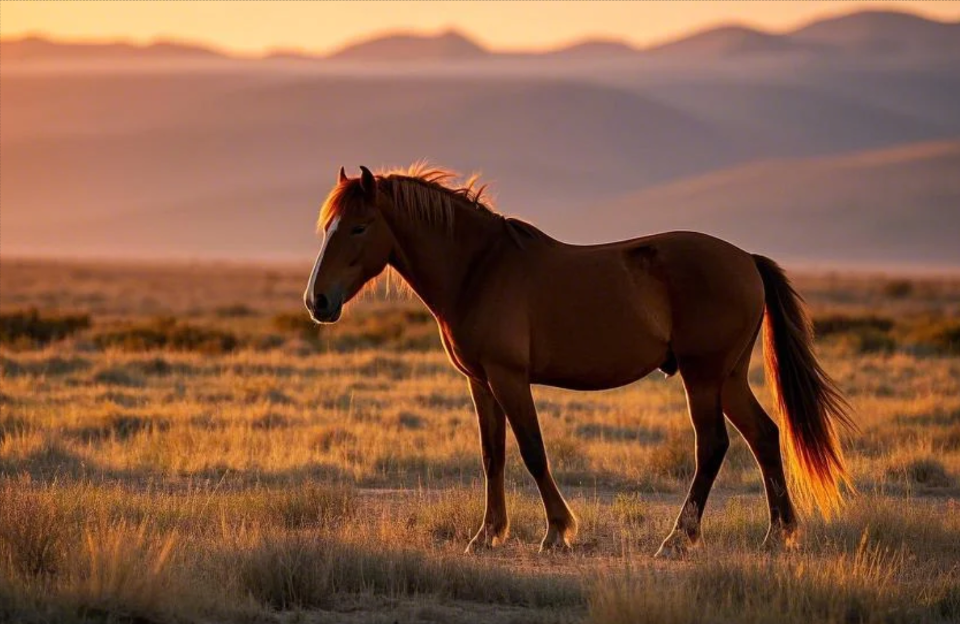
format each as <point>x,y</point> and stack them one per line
<point>581,364</point>
<point>597,381</point>
<point>592,338</point>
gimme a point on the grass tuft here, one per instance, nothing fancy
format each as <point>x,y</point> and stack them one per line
<point>30,328</point>
<point>167,333</point>
<point>34,534</point>
<point>923,471</point>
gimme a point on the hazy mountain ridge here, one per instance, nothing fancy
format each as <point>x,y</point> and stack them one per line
<point>449,45</point>
<point>858,34</point>
<point>726,41</point>
<point>882,32</point>
<point>35,47</point>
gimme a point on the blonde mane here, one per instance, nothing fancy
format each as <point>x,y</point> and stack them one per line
<point>427,194</point>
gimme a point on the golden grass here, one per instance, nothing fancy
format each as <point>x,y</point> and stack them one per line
<point>338,477</point>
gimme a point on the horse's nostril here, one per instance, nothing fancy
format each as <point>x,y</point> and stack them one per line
<point>322,303</point>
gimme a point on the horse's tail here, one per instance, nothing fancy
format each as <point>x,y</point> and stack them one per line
<point>809,402</point>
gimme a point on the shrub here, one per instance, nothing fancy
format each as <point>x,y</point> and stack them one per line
<point>868,340</point>
<point>314,506</point>
<point>120,427</point>
<point>30,328</point>
<point>675,457</point>
<point>629,509</point>
<point>948,441</point>
<point>126,575</point>
<point>237,310</point>
<point>858,334</point>
<point>898,289</point>
<point>33,532</point>
<point>286,573</point>
<point>394,328</point>
<point>924,471</point>
<point>841,324</point>
<point>119,376</point>
<point>11,425</point>
<point>939,335</point>
<point>310,570</point>
<point>860,588</point>
<point>568,456</point>
<point>296,323</point>
<point>167,333</point>
<point>334,437</point>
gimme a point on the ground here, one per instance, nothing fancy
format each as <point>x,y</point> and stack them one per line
<point>178,444</point>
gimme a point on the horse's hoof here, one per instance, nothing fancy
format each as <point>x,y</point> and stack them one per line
<point>676,547</point>
<point>669,553</point>
<point>781,539</point>
<point>555,541</point>
<point>560,546</point>
<point>487,538</point>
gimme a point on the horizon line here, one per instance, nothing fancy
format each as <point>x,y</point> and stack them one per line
<point>429,33</point>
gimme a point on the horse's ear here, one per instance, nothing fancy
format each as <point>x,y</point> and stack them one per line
<point>342,177</point>
<point>368,183</point>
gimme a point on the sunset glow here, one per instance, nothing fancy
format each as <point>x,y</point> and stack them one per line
<point>257,27</point>
<point>476,311</point>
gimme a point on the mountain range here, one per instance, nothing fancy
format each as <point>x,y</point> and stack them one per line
<point>861,34</point>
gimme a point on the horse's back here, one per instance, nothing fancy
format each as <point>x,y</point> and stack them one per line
<point>645,301</point>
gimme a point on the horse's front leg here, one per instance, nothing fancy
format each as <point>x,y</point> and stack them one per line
<point>493,431</point>
<point>512,391</point>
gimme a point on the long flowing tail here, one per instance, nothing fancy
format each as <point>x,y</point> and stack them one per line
<point>809,402</point>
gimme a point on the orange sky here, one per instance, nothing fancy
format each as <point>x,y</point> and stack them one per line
<point>253,27</point>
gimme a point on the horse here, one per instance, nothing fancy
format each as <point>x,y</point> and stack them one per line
<point>515,307</point>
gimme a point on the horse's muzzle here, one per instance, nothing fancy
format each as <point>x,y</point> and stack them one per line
<point>326,309</point>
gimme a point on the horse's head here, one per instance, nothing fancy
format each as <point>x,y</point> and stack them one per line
<point>356,246</point>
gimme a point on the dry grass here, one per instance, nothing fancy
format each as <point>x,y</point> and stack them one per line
<point>336,477</point>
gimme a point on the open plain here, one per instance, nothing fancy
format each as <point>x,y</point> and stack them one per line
<point>179,443</point>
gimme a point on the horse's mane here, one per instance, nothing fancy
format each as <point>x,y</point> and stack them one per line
<point>426,193</point>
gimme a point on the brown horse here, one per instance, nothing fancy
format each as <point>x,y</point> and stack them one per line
<point>516,307</point>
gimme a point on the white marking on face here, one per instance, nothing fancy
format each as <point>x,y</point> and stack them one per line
<point>308,295</point>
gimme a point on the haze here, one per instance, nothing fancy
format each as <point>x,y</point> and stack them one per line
<point>816,138</point>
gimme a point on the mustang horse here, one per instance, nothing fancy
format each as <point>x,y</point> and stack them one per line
<point>515,307</point>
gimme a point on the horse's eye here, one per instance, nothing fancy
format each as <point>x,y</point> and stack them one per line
<point>358,229</point>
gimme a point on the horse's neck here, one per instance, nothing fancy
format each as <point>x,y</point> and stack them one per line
<point>434,261</point>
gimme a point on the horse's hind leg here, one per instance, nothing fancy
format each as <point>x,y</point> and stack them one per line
<point>512,391</point>
<point>493,430</point>
<point>703,401</point>
<point>763,437</point>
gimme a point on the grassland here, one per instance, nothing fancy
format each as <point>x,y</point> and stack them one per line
<point>177,444</point>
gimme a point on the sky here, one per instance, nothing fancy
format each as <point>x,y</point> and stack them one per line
<point>248,27</point>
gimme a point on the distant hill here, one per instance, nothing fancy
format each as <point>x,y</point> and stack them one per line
<point>42,49</point>
<point>450,45</point>
<point>725,41</point>
<point>882,33</point>
<point>594,49</point>
<point>891,206</point>
<point>865,34</point>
